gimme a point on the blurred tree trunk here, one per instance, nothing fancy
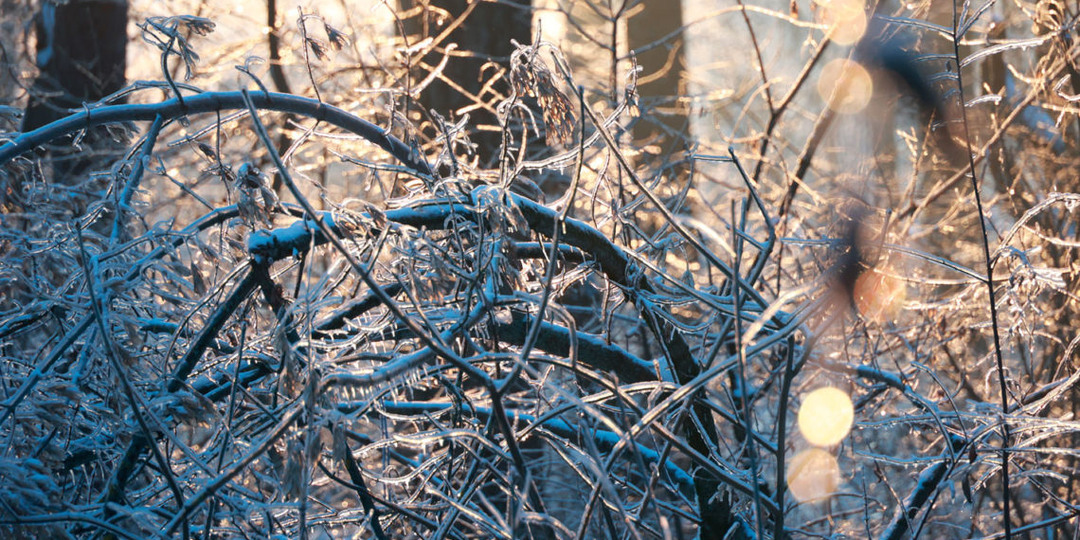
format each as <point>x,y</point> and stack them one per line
<point>654,35</point>
<point>81,55</point>
<point>485,37</point>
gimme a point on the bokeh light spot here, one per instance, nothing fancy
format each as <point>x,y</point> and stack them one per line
<point>846,19</point>
<point>845,85</point>
<point>879,295</point>
<point>826,416</point>
<point>812,474</point>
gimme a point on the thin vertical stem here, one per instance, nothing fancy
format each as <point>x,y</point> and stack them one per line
<point>989,280</point>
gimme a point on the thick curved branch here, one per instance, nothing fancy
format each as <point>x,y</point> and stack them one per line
<point>613,261</point>
<point>213,102</point>
<point>591,350</point>
<point>924,488</point>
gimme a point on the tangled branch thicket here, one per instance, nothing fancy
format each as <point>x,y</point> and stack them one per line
<point>290,299</point>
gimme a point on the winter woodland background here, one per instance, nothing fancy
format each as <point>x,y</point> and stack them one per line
<point>539,269</point>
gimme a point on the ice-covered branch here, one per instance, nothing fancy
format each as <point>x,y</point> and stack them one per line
<point>213,102</point>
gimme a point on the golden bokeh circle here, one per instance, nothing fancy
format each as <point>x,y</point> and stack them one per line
<point>812,474</point>
<point>879,296</point>
<point>845,85</point>
<point>826,416</point>
<point>846,19</point>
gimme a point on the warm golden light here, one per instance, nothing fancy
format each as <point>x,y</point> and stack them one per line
<point>846,19</point>
<point>879,296</point>
<point>813,474</point>
<point>826,416</point>
<point>845,85</point>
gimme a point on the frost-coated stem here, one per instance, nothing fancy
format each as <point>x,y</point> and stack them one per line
<point>137,169</point>
<point>925,486</point>
<point>1006,495</point>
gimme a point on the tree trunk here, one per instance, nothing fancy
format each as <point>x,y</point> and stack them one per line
<point>485,36</point>
<point>662,65</point>
<point>81,54</point>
